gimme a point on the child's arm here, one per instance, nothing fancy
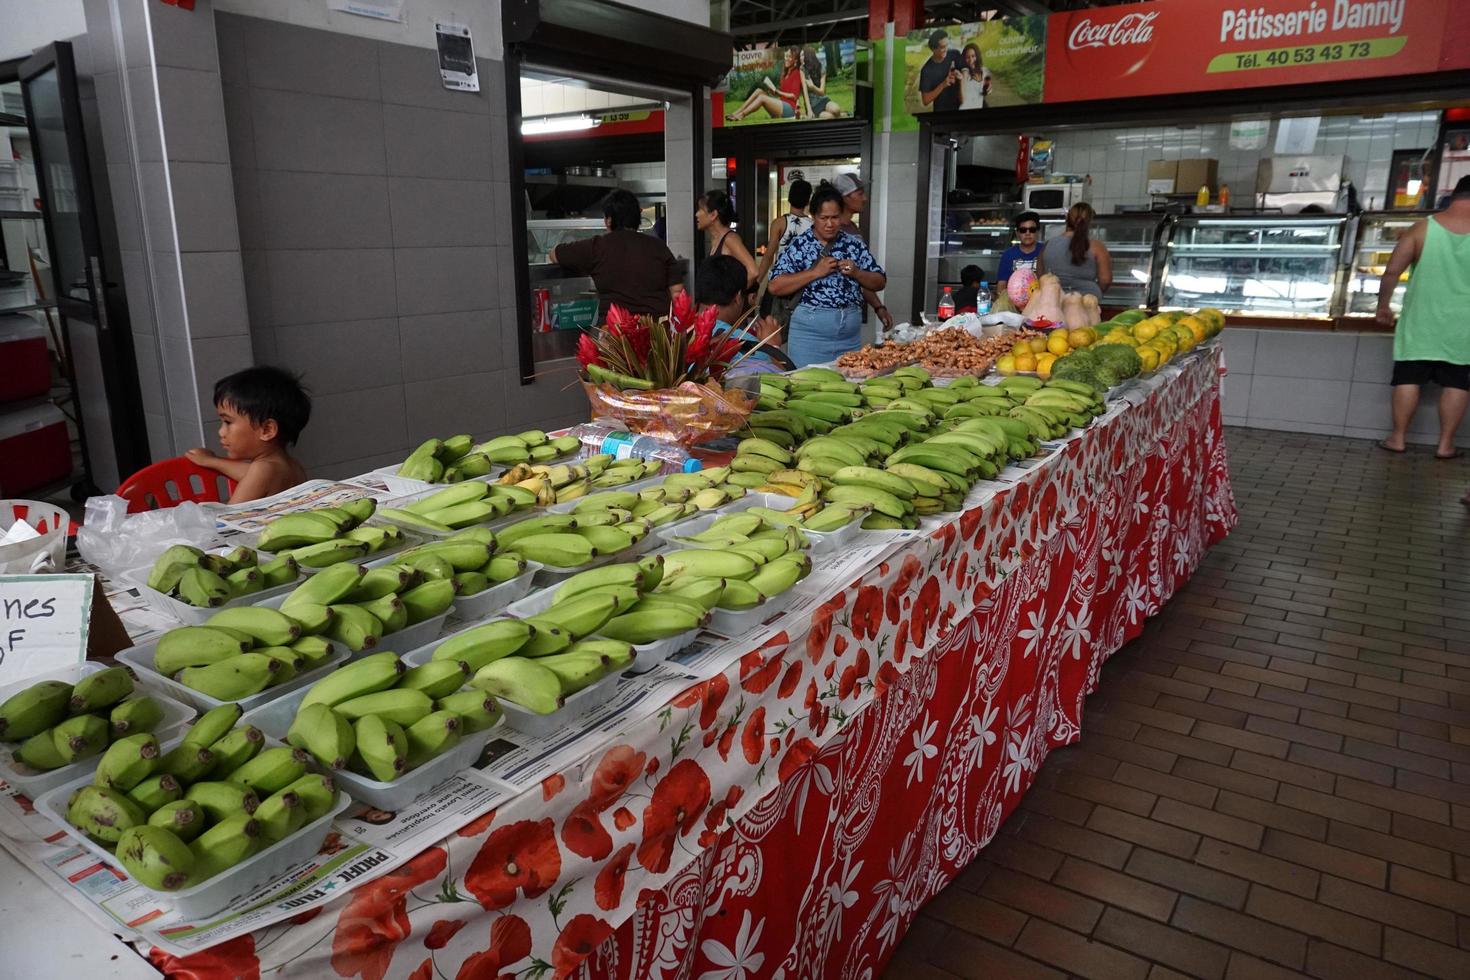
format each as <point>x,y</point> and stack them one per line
<point>260,479</point>
<point>235,469</point>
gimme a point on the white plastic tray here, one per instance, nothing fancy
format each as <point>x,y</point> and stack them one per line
<point>405,639</point>
<point>208,897</point>
<point>275,720</point>
<point>497,597</point>
<point>140,659</point>
<point>33,782</point>
<point>735,624</point>
<point>650,655</point>
<point>190,615</point>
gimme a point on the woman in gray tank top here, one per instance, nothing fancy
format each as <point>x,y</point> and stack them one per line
<point>1082,264</point>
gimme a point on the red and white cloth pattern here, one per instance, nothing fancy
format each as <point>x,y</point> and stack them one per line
<point>788,817</point>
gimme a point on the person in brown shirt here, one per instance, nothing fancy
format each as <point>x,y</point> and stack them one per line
<point>634,270</point>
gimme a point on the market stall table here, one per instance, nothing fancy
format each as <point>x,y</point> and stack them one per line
<point>781,804</point>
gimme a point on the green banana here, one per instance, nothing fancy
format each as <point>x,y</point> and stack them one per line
<point>382,748</point>
<point>354,627</point>
<point>401,706</point>
<point>432,735</point>
<point>324,733</point>
<point>156,791</point>
<point>481,645</point>
<point>212,726</point>
<point>141,714</point>
<point>557,549</point>
<point>436,678</point>
<point>220,798</point>
<point>639,627</point>
<point>233,839</point>
<point>296,531</point>
<point>103,814</point>
<point>199,586</point>
<point>184,818</point>
<point>280,815</point>
<point>369,675</point>
<point>331,585</point>
<point>317,792</point>
<point>100,691</point>
<point>708,563</point>
<point>477,710</point>
<point>235,749</point>
<point>272,770</point>
<point>34,710</point>
<point>523,682</point>
<point>738,595</point>
<point>389,610</point>
<point>426,601</point>
<point>80,737</point>
<point>187,763</point>
<point>127,762</point>
<point>164,574</point>
<point>39,752</point>
<point>156,858</point>
<point>233,679</point>
<point>270,627</point>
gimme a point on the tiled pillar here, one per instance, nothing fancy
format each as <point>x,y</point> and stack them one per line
<point>679,170</point>
<point>158,90</point>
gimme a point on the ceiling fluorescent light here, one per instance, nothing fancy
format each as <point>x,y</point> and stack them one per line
<point>558,124</point>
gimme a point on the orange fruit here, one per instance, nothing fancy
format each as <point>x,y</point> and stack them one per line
<point>1026,362</point>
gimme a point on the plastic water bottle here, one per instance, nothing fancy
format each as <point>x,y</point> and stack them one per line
<point>606,436</point>
<point>946,304</point>
<point>982,298</point>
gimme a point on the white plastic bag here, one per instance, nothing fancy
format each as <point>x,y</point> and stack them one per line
<point>117,542</point>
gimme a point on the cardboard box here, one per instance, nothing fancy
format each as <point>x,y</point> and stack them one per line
<point>1194,173</point>
<point>1162,176</point>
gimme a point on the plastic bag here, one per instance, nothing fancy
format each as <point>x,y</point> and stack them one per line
<point>117,542</point>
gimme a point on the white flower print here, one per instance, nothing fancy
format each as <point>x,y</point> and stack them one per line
<point>1136,597</point>
<point>923,749</point>
<point>1018,760</point>
<point>1036,632</point>
<point>1077,632</point>
<point>981,735</point>
<point>739,963</point>
<point>842,896</point>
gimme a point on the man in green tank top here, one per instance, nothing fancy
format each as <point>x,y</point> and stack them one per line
<point>1432,339</point>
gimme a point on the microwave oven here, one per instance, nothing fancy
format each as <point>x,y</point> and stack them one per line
<point>1051,199</point>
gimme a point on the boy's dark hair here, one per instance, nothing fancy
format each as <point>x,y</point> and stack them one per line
<point>1026,216</point>
<point>621,209</point>
<point>799,193</point>
<point>825,192</point>
<point>720,280</point>
<point>262,393</point>
<point>1462,187</point>
<point>936,37</point>
<point>972,275</point>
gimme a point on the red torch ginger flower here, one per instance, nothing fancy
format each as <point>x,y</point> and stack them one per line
<point>587,352</point>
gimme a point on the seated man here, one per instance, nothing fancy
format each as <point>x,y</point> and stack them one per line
<point>721,284</point>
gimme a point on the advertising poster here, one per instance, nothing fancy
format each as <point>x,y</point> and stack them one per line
<point>999,62</point>
<point>790,83</point>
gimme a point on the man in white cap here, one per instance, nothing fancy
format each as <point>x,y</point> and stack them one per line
<point>854,201</point>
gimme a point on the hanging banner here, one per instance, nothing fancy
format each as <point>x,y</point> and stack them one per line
<point>1173,46</point>
<point>788,83</point>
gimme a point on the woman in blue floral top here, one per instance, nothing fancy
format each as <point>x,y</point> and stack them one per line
<point>829,269</point>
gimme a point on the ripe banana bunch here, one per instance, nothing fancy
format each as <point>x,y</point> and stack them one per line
<point>56,724</point>
<point>383,720</point>
<point>170,828</point>
<point>209,580</point>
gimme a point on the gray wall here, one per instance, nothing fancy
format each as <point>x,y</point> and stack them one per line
<point>373,210</point>
<point>1318,381</point>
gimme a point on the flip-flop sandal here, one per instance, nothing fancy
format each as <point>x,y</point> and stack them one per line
<point>1454,455</point>
<point>1389,449</point>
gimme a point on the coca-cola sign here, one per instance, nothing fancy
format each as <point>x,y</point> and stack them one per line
<point>1129,29</point>
<point>1134,28</point>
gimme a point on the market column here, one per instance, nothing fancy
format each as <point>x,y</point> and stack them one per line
<point>168,165</point>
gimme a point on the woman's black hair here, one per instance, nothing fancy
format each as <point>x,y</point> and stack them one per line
<point>825,192</point>
<point>720,280</point>
<point>719,202</point>
<point>621,210</point>
<point>264,393</point>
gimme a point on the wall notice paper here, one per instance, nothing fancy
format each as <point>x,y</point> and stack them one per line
<point>457,57</point>
<point>43,623</point>
<point>376,9</point>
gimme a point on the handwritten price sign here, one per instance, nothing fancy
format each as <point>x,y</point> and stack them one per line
<point>43,623</point>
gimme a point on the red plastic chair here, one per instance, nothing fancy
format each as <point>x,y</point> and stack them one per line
<point>170,482</point>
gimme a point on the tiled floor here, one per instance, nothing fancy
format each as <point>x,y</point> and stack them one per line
<point>1274,780</point>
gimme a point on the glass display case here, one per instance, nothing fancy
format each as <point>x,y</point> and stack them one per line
<point>1265,265</point>
<point>1378,232</point>
<point>975,234</point>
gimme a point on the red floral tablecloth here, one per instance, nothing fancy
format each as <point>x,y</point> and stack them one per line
<point>788,817</point>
